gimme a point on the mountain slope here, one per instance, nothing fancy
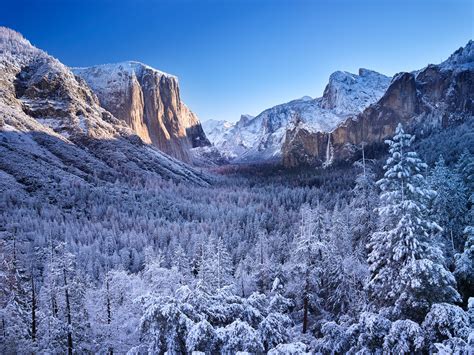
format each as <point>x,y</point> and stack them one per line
<point>149,102</point>
<point>53,130</point>
<point>262,137</point>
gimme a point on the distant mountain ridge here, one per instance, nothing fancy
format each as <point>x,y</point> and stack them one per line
<point>262,137</point>
<point>354,109</point>
<point>434,97</point>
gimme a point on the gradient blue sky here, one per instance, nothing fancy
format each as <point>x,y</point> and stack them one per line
<point>242,56</point>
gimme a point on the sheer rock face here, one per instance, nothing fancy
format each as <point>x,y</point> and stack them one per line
<point>149,102</point>
<point>54,130</point>
<point>435,97</point>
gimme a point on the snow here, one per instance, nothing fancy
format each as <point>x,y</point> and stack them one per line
<point>462,59</point>
<point>216,130</point>
<point>262,137</point>
<point>116,69</point>
<point>109,80</point>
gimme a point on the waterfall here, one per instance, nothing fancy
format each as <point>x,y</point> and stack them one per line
<point>329,153</point>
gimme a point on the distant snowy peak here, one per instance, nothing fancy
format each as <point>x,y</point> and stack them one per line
<point>211,125</point>
<point>351,93</point>
<point>463,58</point>
<point>215,130</point>
<point>261,137</point>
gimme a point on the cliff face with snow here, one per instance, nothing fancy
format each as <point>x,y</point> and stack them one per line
<point>149,102</point>
<point>262,137</point>
<point>431,98</point>
<point>54,130</point>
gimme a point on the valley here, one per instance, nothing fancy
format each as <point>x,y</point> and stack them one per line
<point>340,224</point>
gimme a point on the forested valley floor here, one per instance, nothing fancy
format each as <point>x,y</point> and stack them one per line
<point>375,255</point>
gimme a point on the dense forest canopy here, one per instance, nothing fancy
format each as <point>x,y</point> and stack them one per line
<point>377,255</point>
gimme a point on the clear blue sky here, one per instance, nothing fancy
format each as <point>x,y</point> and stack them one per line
<point>242,56</point>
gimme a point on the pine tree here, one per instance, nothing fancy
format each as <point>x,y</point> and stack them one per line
<point>363,205</point>
<point>465,167</point>
<point>449,206</point>
<point>261,263</point>
<point>181,263</point>
<point>464,270</point>
<point>305,264</point>
<point>15,300</point>
<point>406,265</point>
<point>345,270</point>
<point>215,270</point>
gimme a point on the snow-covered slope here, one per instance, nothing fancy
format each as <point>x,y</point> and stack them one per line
<point>461,59</point>
<point>215,130</point>
<point>53,129</point>
<point>261,137</point>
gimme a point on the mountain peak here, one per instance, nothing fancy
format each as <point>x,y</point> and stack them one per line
<point>130,67</point>
<point>347,92</point>
<point>461,58</point>
<point>12,35</point>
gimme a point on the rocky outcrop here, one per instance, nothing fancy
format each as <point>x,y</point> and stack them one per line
<point>434,97</point>
<point>149,102</point>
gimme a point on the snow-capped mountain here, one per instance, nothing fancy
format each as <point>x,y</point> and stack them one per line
<point>434,97</point>
<point>216,130</point>
<point>148,100</point>
<point>262,137</point>
<point>53,129</point>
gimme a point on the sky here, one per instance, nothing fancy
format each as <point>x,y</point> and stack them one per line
<point>242,56</point>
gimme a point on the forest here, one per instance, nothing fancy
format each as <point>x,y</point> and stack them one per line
<point>371,257</point>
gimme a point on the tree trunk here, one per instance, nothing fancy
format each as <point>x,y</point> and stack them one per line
<point>305,313</point>
<point>33,310</point>
<point>68,311</point>
<point>109,311</point>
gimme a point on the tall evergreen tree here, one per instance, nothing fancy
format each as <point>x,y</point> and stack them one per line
<point>407,272</point>
<point>305,264</point>
<point>449,206</point>
<point>464,270</point>
<point>363,205</point>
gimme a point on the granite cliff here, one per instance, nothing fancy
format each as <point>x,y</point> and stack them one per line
<point>149,102</point>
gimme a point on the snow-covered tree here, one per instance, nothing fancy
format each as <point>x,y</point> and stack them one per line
<point>305,261</point>
<point>345,270</point>
<point>202,337</point>
<point>444,322</point>
<point>464,265</point>
<point>274,330</point>
<point>222,265</point>
<point>17,305</point>
<point>297,348</point>
<point>406,265</point>
<point>164,325</point>
<point>181,263</point>
<point>239,336</point>
<point>371,329</point>
<point>465,167</point>
<point>363,204</point>
<point>335,338</point>
<point>449,206</point>
<point>404,337</point>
